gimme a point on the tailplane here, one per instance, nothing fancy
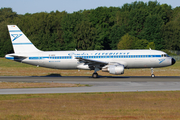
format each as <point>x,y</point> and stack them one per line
<point>21,44</point>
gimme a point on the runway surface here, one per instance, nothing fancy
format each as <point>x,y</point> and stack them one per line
<point>102,84</point>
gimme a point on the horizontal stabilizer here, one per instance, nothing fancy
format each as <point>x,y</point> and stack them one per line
<point>15,57</point>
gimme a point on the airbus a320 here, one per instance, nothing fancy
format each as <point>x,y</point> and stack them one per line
<point>112,61</point>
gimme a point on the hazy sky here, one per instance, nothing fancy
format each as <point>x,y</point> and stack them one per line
<point>34,6</point>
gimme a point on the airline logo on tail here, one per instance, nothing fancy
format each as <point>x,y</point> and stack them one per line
<point>15,36</point>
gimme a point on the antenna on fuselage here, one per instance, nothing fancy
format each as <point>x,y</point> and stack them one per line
<point>75,49</point>
<point>149,48</point>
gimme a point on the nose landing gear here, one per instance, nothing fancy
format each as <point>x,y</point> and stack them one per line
<point>152,75</point>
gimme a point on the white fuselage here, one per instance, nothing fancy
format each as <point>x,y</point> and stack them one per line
<point>67,59</point>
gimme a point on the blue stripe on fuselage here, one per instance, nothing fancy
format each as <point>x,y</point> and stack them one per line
<point>97,57</point>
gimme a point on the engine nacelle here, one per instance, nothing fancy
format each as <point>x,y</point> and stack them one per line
<point>114,69</point>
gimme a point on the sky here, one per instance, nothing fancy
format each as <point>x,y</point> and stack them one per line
<point>70,6</point>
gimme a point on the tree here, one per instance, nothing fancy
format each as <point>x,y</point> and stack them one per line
<point>116,33</point>
<point>6,14</point>
<point>126,42</point>
<point>151,45</point>
<point>131,42</point>
<point>137,25</point>
<point>152,31</point>
<point>140,44</point>
<point>171,34</point>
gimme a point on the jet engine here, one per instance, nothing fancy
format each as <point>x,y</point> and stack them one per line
<point>114,69</point>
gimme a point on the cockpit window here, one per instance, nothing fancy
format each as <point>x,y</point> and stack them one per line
<point>164,55</point>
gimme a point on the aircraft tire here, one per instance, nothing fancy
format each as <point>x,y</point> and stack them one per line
<point>152,75</point>
<point>94,75</point>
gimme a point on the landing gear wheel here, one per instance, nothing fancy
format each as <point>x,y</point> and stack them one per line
<point>152,75</point>
<point>95,75</point>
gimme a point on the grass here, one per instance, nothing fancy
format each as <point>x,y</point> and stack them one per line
<point>99,106</point>
<point>12,68</point>
<point>7,85</point>
<point>80,106</point>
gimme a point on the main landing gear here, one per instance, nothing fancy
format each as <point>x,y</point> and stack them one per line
<point>152,75</point>
<point>95,74</point>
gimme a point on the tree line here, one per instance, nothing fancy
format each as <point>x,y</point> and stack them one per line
<point>137,25</point>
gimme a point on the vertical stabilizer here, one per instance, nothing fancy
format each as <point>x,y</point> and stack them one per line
<point>21,44</point>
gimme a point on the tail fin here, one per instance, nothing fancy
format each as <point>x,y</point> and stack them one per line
<point>21,44</point>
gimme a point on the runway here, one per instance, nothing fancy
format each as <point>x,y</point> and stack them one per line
<point>101,84</point>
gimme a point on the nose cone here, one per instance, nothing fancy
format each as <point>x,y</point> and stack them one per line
<point>173,61</point>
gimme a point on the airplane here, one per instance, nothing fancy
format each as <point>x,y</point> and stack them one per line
<point>112,61</point>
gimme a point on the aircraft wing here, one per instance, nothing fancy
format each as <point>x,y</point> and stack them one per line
<point>92,62</point>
